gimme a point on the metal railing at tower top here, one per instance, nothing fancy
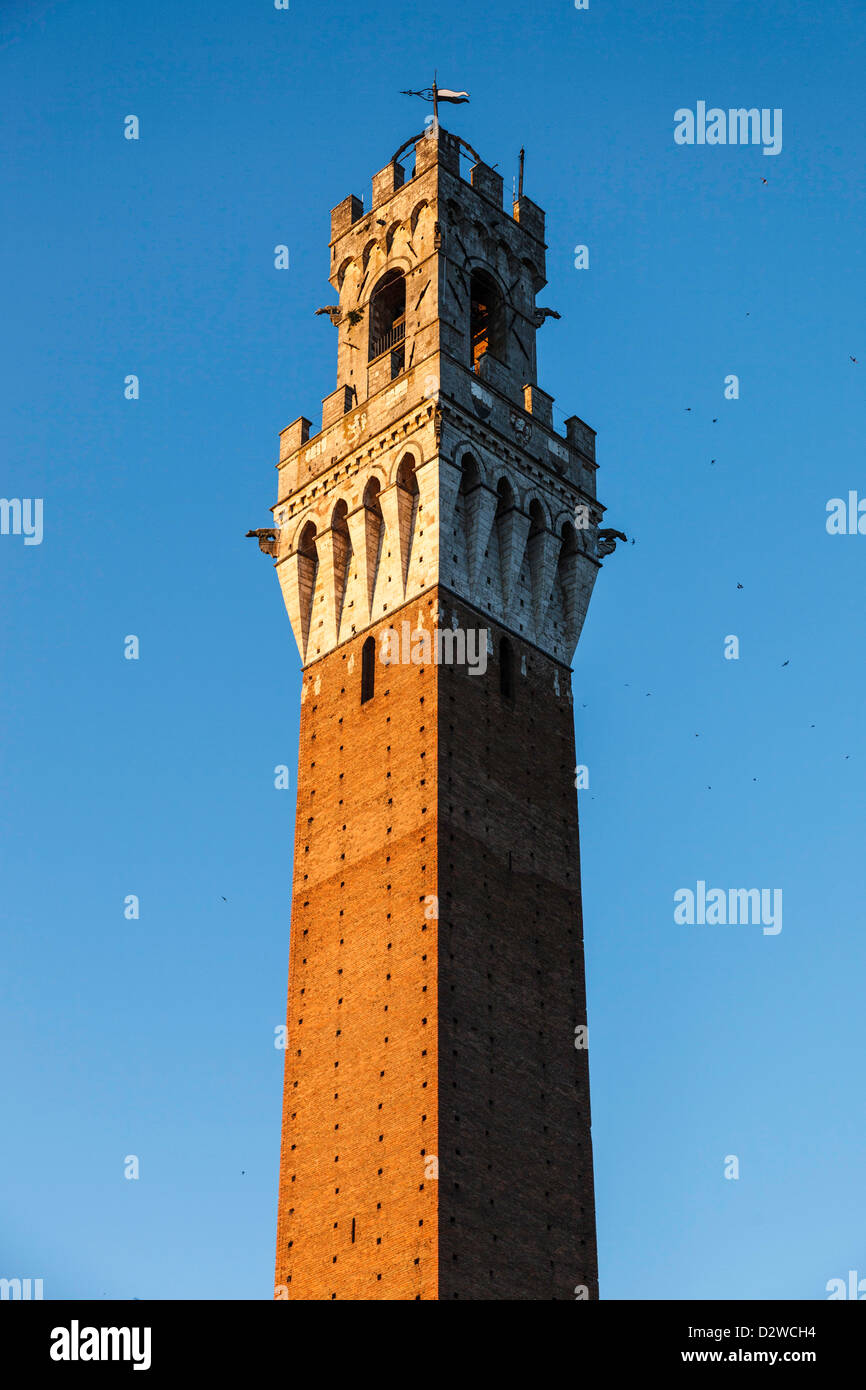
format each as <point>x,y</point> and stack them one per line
<point>387,340</point>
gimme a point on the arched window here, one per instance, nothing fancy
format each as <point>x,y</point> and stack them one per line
<point>368,670</point>
<point>506,669</point>
<point>486,319</point>
<point>388,316</point>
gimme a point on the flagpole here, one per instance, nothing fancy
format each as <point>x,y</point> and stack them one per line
<point>435,102</point>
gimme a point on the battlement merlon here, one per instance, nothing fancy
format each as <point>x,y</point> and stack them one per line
<point>373,428</point>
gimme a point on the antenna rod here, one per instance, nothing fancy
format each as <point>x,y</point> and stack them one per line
<point>520,180</point>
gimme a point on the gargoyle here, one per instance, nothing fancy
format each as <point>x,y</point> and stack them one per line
<point>336,315</point>
<point>607,539</point>
<point>267,539</point>
<point>539,315</point>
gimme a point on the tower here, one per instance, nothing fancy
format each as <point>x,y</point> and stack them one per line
<point>436,1123</point>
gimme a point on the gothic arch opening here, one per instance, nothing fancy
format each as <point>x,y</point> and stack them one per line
<point>475,515</point>
<point>567,582</point>
<point>540,551</point>
<point>406,475</point>
<point>408,500</point>
<point>342,555</point>
<point>374,530</point>
<point>486,319</point>
<point>308,568</point>
<point>388,318</point>
<point>504,497</point>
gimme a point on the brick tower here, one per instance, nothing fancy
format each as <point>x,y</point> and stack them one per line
<point>436,1123</point>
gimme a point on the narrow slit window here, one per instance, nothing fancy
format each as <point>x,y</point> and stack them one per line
<point>368,670</point>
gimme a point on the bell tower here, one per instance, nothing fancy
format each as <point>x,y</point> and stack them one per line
<point>436,543</point>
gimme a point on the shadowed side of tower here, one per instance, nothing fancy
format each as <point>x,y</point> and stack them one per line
<point>436,1124</point>
<point>516,1205</point>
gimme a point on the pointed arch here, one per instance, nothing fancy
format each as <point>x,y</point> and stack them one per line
<point>387,314</point>
<point>374,531</point>
<point>512,526</point>
<point>307,560</point>
<point>408,498</point>
<point>342,556</point>
<point>416,213</point>
<point>487,330</point>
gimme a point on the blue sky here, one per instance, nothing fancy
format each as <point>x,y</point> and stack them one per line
<point>155,1037</point>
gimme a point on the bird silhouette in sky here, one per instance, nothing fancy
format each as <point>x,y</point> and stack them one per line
<point>715,419</point>
<point>763,180</point>
<point>785,663</point>
<point>225,900</point>
<point>852,359</point>
<point>712,461</point>
<point>739,586</point>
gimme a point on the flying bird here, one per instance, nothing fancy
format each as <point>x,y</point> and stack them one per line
<point>225,900</point>
<point>739,586</point>
<point>712,461</point>
<point>715,419</point>
<point>785,663</point>
<point>763,180</point>
<point>852,359</point>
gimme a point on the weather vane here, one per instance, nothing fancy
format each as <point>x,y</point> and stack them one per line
<point>437,94</point>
